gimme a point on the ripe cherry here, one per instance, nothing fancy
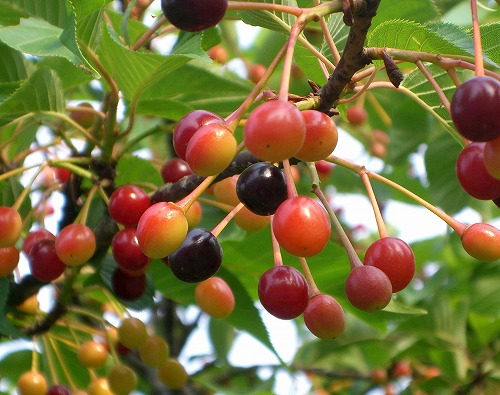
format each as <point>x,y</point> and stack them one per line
<point>395,258</point>
<point>211,149</point>
<point>401,369</point>
<point>174,169</point>
<point>9,258</point>
<point>492,157</point>
<point>58,389</point>
<point>198,258</point>
<point>188,125</point>
<point>92,354</point>
<point>261,187</point>
<point>127,203</point>
<point>11,225</point>
<point>356,115</point>
<point>43,261</point>
<point>75,244</point>
<point>321,136</point>
<point>324,317</point>
<point>132,333</point>
<point>161,230</point>
<point>301,226</point>
<point>32,383</point>
<point>35,235</point>
<point>128,287</point>
<point>482,241</point>
<point>127,253</point>
<point>283,292</point>
<point>194,15</point>
<point>474,108</point>
<point>472,174</point>
<point>368,288</point>
<point>214,297</point>
<point>275,131</point>
<point>173,374</point>
<point>256,72</point>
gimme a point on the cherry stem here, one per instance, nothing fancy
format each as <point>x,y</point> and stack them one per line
<point>382,230</point>
<point>354,260</point>
<point>49,359</point>
<point>287,63</point>
<point>258,6</point>
<point>223,223</point>
<point>277,258</point>
<point>478,50</point>
<point>62,363</point>
<point>328,37</point>
<point>185,203</point>
<point>69,165</point>
<point>434,84</point>
<point>152,30</point>
<point>81,218</point>
<point>290,183</point>
<point>25,192</point>
<point>313,288</point>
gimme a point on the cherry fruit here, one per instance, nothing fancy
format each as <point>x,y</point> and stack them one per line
<point>154,352</point>
<point>301,226</point>
<point>58,389</point>
<point>174,169</point>
<point>356,115</point>
<point>122,380</point>
<point>92,354</point>
<point>225,191</point>
<point>194,15</point>
<point>86,117</point>
<point>491,157</point>
<point>173,374</point>
<point>11,225</point>
<point>127,286</point>
<point>250,221</point>
<point>32,383</point>
<point>33,236</point>
<point>261,187</point>
<point>474,108</point>
<point>198,258</point>
<point>368,288</point>
<point>283,292</point>
<point>324,317</point>
<point>482,241</point>
<point>275,131</point>
<point>321,136</point>
<point>214,297</point>
<point>132,333</point>
<point>127,203</point>
<point>127,253</point>
<point>395,258</point>
<point>75,244</point>
<point>9,258</point>
<point>43,261</point>
<point>256,72</point>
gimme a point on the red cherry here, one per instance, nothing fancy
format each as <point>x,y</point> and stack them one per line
<point>127,203</point>
<point>75,244</point>
<point>44,263</point>
<point>256,72</point>
<point>174,169</point>
<point>324,317</point>
<point>62,174</point>
<point>492,157</point>
<point>127,253</point>
<point>11,225</point>
<point>356,115</point>
<point>35,235</point>
<point>368,288</point>
<point>9,258</point>
<point>482,241</point>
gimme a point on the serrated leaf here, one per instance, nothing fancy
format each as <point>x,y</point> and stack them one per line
<point>416,10</point>
<point>132,169</point>
<point>196,44</point>
<point>52,11</point>
<point>277,21</point>
<point>83,8</point>
<point>489,38</point>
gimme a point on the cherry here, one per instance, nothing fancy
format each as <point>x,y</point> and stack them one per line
<point>58,389</point>
<point>321,136</point>
<point>33,236</point>
<point>172,374</point>
<point>9,258</point>
<point>84,118</point>
<point>401,369</point>
<point>324,168</point>
<point>99,386</point>
<point>188,125</point>
<point>482,241</point>
<point>122,380</point>
<point>256,72</point>
<point>198,258</point>
<point>301,226</point>
<point>368,288</point>
<point>261,187</point>
<point>44,263</point>
<point>395,258</point>
<point>472,174</point>
<point>250,221</point>
<point>379,376</point>
<point>356,115</point>
<point>128,287</point>
<point>32,383</point>
<point>283,292</point>
<point>161,230</point>
<point>275,131</point>
<point>211,149</point>
<point>474,108</point>
<point>127,253</point>
<point>127,203</point>
<point>214,297</point>
<point>62,174</point>
<point>491,157</point>
<point>194,15</point>
<point>154,352</point>
<point>194,214</point>
<point>29,305</point>
<point>132,333</point>
<point>11,225</point>
<point>75,244</point>
<point>218,54</point>
<point>225,191</point>
<point>324,317</point>
<point>92,354</point>
<point>174,169</point>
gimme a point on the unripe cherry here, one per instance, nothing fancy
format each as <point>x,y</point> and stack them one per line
<point>368,288</point>
<point>214,297</point>
<point>11,225</point>
<point>324,317</point>
<point>482,241</point>
<point>321,136</point>
<point>75,244</point>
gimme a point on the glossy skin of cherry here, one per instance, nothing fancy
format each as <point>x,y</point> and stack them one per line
<point>324,317</point>
<point>356,115</point>
<point>127,253</point>
<point>482,241</point>
<point>194,15</point>
<point>211,149</point>
<point>301,226</point>
<point>92,354</point>
<point>75,244</point>
<point>321,136</point>
<point>188,125</point>
<point>44,263</point>
<point>261,187</point>
<point>472,174</point>
<point>35,235</point>
<point>194,214</point>
<point>11,225</point>
<point>58,390</point>
<point>214,297</point>
<point>198,258</point>
<point>127,204</point>
<point>368,288</point>
<point>128,287</point>
<point>491,157</point>
<point>161,230</point>
<point>395,258</point>
<point>32,383</point>
<point>474,108</point>
<point>283,292</point>
<point>9,258</point>
<point>274,131</point>
<point>174,169</point>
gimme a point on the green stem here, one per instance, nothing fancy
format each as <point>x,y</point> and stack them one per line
<point>25,192</point>
<point>84,212</point>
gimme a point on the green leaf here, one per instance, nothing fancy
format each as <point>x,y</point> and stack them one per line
<point>222,336</point>
<point>6,328</point>
<point>277,21</point>
<point>416,10</point>
<point>397,307</point>
<point>84,8</point>
<point>132,169</point>
<point>52,11</point>
<point>489,38</point>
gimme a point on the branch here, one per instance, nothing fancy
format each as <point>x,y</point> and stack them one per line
<point>353,58</point>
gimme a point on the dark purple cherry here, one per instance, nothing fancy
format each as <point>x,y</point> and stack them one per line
<point>198,258</point>
<point>128,287</point>
<point>262,188</point>
<point>58,389</point>
<point>194,15</point>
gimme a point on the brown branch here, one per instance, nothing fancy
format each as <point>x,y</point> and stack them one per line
<point>353,58</point>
